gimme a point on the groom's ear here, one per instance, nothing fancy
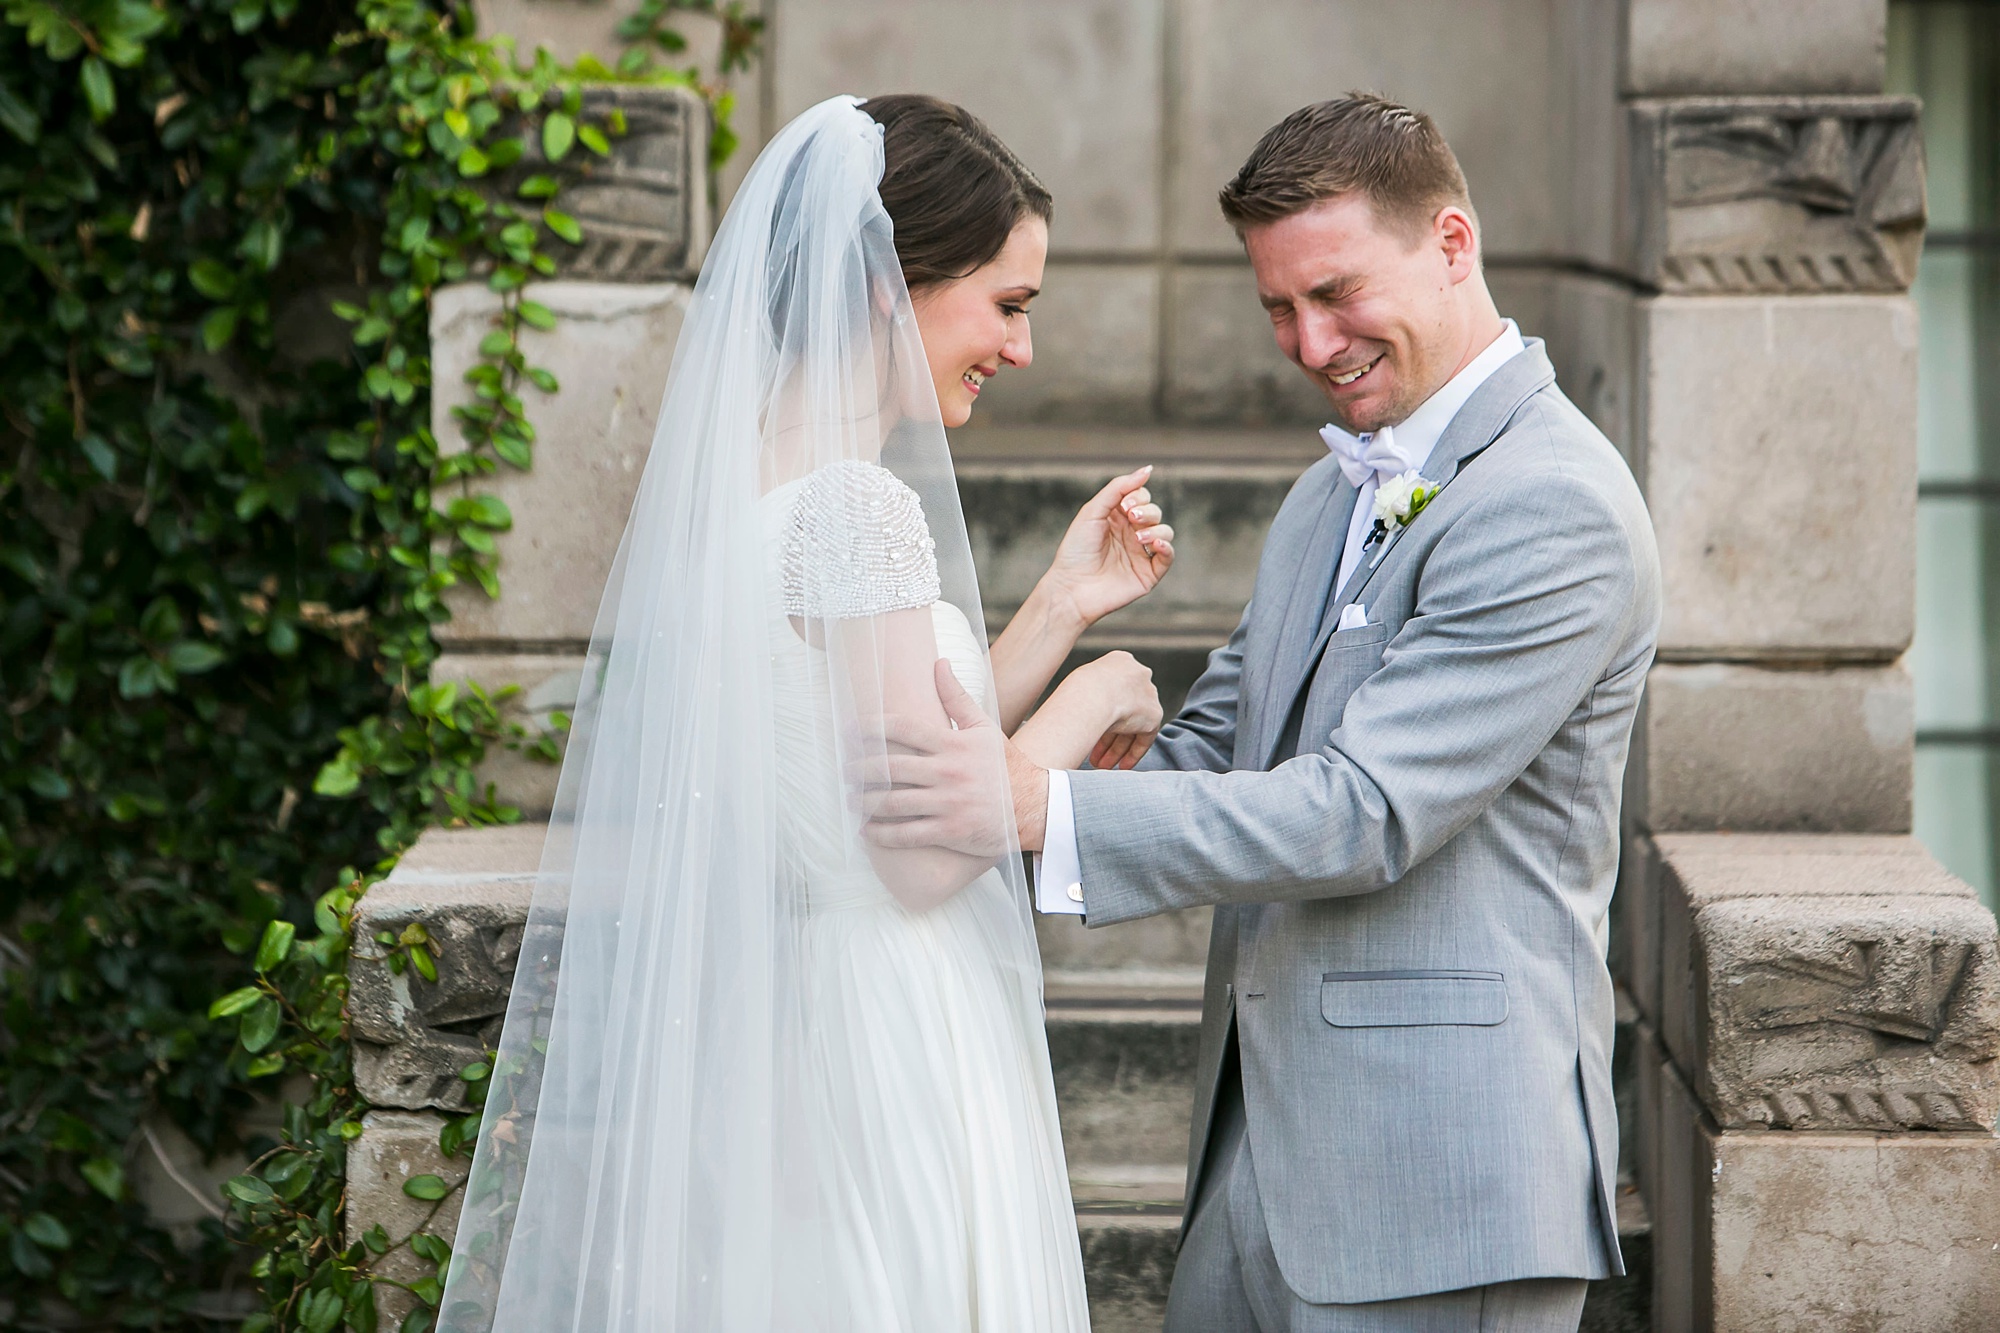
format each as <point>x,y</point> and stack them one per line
<point>1457,235</point>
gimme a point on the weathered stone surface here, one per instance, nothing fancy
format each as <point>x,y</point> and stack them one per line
<point>1778,473</point>
<point>1753,46</point>
<point>1828,982</point>
<point>1020,489</point>
<point>1749,749</point>
<point>1223,366</point>
<point>1096,339</point>
<point>1169,940</point>
<point>1778,194</point>
<point>1483,69</point>
<point>470,889</point>
<point>643,209</point>
<point>393,1147</point>
<point>1591,342</point>
<point>547,684</point>
<point>1802,1233</point>
<point>1073,86</point>
<point>610,351</point>
<point>1636,912</point>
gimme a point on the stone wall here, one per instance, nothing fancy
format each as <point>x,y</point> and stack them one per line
<point>1711,214</point>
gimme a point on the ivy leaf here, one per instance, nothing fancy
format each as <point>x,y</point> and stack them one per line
<point>537,315</point>
<point>97,90</point>
<point>218,329</point>
<point>248,1189</point>
<point>191,658</point>
<point>420,958</point>
<point>473,162</point>
<point>276,945</point>
<point>563,225</point>
<point>428,1188</point>
<point>265,1065</point>
<point>235,1002</point>
<point>558,135</point>
<point>20,118</point>
<point>426,1246</point>
<point>103,458</point>
<point>46,1232</point>
<point>538,187</point>
<point>104,1175</point>
<point>137,677</point>
<point>337,777</point>
<point>260,1025</point>
<point>593,139</point>
<point>320,1311</point>
<point>213,279</point>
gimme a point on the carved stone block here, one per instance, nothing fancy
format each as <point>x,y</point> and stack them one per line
<point>1802,1233</point>
<point>1778,194</point>
<point>1828,982</point>
<point>1751,749</point>
<point>470,889</point>
<point>644,208</point>
<point>393,1147</point>
<point>610,351</point>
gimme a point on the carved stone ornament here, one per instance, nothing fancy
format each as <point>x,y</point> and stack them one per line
<point>469,889</point>
<point>1856,988</point>
<point>643,209</point>
<point>1778,194</point>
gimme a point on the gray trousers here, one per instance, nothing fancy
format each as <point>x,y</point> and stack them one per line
<point>1227,1279</point>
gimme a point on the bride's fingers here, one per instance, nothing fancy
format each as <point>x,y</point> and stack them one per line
<point>1143,516</point>
<point>1115,494</point>
<point>901,803</point>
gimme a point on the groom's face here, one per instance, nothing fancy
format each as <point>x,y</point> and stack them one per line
<point>1368,310</point>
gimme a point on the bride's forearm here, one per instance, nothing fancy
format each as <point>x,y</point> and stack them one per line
<point>1031,650</point>
<point>1061,733</point>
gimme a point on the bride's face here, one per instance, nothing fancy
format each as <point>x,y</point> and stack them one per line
<point>974,325</point>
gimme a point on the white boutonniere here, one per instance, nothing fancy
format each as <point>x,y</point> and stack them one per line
<point>1397,504</point>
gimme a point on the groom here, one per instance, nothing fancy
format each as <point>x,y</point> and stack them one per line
<point>1398,785</point>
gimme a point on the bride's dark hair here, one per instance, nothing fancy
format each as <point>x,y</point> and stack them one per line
<point>954,192</point>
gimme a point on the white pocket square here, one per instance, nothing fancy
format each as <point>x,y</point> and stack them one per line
<point>1352,616</point>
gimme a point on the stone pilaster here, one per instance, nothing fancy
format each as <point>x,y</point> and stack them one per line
<point>1818,1013</point>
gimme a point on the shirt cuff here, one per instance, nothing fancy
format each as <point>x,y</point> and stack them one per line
<point>1058,868</point>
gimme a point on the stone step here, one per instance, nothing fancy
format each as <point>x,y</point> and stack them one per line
<point>1021,486</point>
<point>1129,1251</point>
<point>1123,1048</point>
<point>1122,1041</point>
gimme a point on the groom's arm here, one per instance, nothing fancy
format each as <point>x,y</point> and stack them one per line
<point>1521,608</point>
<point>1202,736</point>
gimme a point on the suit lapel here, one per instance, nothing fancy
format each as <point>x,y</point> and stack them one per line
<point>1485,415</point>
<point>1317,562</point>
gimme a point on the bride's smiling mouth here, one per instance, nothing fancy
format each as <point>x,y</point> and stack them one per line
<point>1345,378</point>
<point>975,379</point>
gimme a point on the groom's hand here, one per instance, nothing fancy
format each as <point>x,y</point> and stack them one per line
<point>940,785</point>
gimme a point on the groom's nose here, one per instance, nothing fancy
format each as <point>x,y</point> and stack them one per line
<point>1019,349</point>
<point>1322,341</point>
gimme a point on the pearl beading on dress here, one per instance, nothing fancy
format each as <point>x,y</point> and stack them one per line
<point>856,545</point>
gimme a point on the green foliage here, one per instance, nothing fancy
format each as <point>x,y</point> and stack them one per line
<point>226,532</point>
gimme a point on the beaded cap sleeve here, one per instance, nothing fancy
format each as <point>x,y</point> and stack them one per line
<point>857,545</point>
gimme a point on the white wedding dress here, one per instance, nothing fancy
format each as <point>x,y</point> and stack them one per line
<point>936,1165</point>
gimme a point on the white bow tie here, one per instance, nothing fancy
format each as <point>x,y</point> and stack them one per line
<point>1363,456</point>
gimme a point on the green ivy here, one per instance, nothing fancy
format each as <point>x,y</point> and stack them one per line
<point>225,536</point>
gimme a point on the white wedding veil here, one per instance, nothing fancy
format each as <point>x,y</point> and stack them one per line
<point>645,1160</point>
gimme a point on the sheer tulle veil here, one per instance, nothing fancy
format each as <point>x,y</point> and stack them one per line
<point>645,1156</point>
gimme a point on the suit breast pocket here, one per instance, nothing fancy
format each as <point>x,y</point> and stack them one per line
<point>1351,657</point>
<point>1413,998</point>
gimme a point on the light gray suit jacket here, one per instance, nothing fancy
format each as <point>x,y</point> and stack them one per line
<point>1410,834</point>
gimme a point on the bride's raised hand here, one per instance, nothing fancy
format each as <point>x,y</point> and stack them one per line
<point>1116,550</point>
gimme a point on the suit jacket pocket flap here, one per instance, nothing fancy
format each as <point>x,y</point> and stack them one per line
<point>1413,998</point>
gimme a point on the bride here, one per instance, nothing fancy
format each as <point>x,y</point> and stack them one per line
<point>758,1072</point>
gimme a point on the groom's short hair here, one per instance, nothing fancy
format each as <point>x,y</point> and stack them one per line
<point>1361,144</point>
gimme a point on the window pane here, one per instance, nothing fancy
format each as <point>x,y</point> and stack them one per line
<point>1956,320</point>
<point>1957,651</point>
<point>1955,812</point>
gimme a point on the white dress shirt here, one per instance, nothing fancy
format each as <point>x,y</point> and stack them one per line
<point>1406,446</point>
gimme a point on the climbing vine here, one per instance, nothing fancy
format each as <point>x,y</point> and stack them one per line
<point>226,534</point>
